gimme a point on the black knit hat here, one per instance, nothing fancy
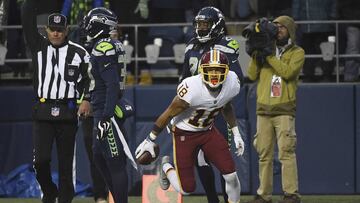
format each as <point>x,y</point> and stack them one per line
<point>57,20</point>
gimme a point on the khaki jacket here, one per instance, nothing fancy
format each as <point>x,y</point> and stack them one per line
<point>288,67</point>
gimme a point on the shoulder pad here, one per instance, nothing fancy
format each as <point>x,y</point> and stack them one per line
<point>233,44</point>
<point>104,47</point>
<point>188,47</point>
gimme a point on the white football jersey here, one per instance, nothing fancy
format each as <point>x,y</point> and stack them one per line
<point>203,106</point>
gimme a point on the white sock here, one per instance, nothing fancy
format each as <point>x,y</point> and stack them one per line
<point>173,178</point>
<point>232,187</point>
<point>167,166</point>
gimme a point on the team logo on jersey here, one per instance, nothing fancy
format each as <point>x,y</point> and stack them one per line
<point>55,111</point>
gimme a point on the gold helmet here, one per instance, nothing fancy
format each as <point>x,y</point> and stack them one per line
<point>214,67</point>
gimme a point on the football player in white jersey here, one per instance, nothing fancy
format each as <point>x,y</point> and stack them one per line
<point>199,99</point>
<point>210,33</point>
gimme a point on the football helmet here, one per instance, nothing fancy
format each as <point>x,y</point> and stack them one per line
<point>209,23</point>
<point>214,67</point>
<point>99,21</point>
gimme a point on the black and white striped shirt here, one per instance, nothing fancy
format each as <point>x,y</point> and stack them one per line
<point>60,72</point>
<point>58,78</point>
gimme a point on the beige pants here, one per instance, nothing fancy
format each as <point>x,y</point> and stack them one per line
<point>280,130</point>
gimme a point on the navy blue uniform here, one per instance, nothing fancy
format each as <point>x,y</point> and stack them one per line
<point>195,49</point>
<point>193,52</point>
<point>108,71</point>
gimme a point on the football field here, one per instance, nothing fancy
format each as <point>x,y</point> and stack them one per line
<point>201,199</point>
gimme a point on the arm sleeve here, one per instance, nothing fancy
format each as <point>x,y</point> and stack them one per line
<point>110,73</point>
<point>111,78</point>
<point>32,36</point>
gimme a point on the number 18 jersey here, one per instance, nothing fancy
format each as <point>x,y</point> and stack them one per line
<point>203,107</point>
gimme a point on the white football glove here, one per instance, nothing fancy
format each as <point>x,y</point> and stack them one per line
<point>146,145</point>
<point>239,143</point>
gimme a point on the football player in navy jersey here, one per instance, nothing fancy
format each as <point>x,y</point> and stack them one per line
<point>209,33</point>
<point>209,27</point>
<point>107,73</point>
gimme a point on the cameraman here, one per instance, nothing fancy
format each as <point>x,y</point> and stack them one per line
<point>276,66</point>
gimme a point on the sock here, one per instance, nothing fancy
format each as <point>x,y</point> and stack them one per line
<point>207,178</point>
<point>223,189</point>
<point>232,186</point>
<point>173,178</point>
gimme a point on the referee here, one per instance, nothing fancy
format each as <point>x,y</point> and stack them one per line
<point>60,75</point>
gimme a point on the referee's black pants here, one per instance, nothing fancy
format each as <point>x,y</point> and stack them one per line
<point>44,134</point>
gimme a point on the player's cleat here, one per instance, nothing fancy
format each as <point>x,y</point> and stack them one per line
<point>164,181</point>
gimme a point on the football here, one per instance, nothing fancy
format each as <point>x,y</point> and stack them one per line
<point>146,158</point>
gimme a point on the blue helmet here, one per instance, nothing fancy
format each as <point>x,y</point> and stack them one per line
<point>209,23</point>
<point>99,21</point>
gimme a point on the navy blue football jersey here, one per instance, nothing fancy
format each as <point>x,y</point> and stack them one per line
<point>194,50</point>
<point>107,73</point>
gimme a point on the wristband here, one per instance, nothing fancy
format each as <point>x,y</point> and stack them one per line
<point>235,131</point>
<point>151,136</point>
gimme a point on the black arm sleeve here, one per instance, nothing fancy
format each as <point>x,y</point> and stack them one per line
<point>32,36</point>
<point>84,84</point>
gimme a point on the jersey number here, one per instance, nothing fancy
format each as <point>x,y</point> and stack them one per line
<point>182,90</point>
<point>196,119</point>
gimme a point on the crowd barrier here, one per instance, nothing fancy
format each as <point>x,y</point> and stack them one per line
<point>327,126</point>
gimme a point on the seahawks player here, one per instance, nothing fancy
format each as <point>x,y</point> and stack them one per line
<point>209,26</point>
<point>107,72</point>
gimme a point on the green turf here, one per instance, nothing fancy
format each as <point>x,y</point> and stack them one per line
<point>200,199</point>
